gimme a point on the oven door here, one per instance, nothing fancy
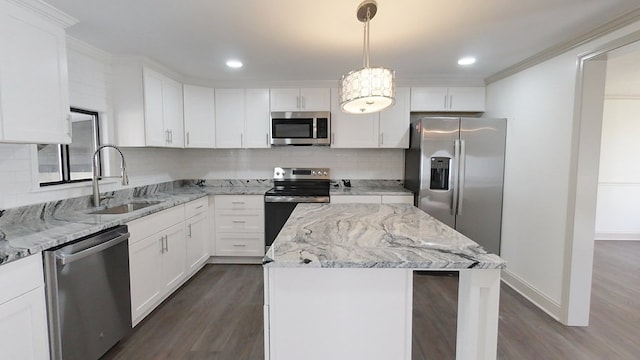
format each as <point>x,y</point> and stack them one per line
<point>275,215</point>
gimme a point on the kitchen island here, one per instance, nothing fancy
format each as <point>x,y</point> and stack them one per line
<point>339,283</point>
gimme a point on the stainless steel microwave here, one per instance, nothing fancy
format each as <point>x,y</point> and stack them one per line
<point>300,128</point>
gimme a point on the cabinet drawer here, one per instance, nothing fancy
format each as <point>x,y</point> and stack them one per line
<point>235,202</point>
<point>397,199</point>
<point>239,221</point>
<point>144,227</point>
<point>355,199</point>
<point>196,207</point>
<point>20,276</point>
<point>240,244</point>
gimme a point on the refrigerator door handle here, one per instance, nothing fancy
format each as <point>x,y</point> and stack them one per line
<point>455,167</point>
<point>461,170</point>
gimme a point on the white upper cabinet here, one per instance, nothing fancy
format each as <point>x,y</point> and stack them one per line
<point>471,99</point>
<point>256,121</point>
<point>386,129</point>
<point>242,118</point>
<point>304,99</point>
<point>148,107</point>
<point>163,110</point>
<point>199,117</point>
<point>394,122</point>
<point>34,85</point>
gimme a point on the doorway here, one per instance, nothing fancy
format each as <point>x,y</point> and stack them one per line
<point>589,108</point>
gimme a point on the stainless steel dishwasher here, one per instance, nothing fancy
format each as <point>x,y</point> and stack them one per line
<point>88,295</point>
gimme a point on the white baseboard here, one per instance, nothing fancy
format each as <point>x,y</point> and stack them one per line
<point>532,294</point>
<point>617,236</point>
<point>235,260</point>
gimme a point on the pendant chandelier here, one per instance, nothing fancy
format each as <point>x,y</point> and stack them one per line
<point>367,90</point>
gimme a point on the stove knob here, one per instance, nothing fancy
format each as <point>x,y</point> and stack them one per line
<point>313,172</point>
<point>324,173</point>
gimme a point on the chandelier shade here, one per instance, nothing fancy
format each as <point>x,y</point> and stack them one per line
<point>369,89</point>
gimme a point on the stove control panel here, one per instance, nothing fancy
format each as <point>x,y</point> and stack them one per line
<point>280,173</point>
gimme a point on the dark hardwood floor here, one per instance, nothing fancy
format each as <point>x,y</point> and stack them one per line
<point>218,315</point>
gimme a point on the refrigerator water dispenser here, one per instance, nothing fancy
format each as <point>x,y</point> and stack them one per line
<point>440,173</point>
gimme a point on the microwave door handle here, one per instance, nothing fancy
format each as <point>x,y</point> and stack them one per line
<point>315,128</point>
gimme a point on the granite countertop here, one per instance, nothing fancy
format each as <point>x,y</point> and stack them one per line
<point>373,236</point>
<point>368,187</point>
<point>32,229</point>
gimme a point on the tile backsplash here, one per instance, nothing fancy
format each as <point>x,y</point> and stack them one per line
<point>154,165</point>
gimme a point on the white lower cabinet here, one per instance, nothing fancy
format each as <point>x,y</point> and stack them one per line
<point>165,249</point>
<point>174,257</point>
<point>239,225</point>
<point>23,317</point>
<point>372,199</point>
<point>197,234</point>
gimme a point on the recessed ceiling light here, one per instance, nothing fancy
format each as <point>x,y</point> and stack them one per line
<point>468,60</point>
<point>234,64</point>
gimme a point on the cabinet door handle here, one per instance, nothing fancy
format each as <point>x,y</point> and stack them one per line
<point>445,101</point>
<point>166,241</point>
<point>171,136</point>
<point>166,136</point>
<point>267,138</point>
<point>298,102</point>
<point>304,102</point>
<point>381,138</point>
<point>241,140</point>
<point>188,140</point>
<point>189,230</point>
<point>333,138</point>
<point>450,101</point>
<point>69,125</point>
<point>162,250</point>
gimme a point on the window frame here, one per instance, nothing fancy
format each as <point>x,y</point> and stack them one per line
<point>65,166</point>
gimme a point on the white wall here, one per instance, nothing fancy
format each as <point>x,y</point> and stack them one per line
<point>90,89</point>
<point>618,211</point>
<point>539,105</point>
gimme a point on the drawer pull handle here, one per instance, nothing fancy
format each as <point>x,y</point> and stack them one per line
<point>238,202</point>
<point>239,245</point>
<point>199,207</point>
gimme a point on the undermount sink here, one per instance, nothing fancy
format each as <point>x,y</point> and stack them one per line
<point>125,208</point>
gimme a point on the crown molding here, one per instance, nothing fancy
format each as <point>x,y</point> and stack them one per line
<point>563,47</point>
<point>88,49</point>
<point>47,11</point>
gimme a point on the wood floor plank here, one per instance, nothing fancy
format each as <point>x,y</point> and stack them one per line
<point>218,315</point>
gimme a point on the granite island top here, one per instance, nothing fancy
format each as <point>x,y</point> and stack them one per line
<point>373,236</point>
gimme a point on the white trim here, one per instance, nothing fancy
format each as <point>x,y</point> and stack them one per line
<point>561,48</point>
<point>235,260</point>
<point>47,11</point>
<point>617,236</point>
<point>621,97</point>
<point>532,294</point>
<point>88,50</point>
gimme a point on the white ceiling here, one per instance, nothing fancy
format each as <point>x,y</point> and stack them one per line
<point>296,40</point>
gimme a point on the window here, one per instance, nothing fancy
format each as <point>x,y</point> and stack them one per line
<point>61,164</point>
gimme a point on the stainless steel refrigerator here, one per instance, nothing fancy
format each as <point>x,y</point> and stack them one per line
<point>455,167</point>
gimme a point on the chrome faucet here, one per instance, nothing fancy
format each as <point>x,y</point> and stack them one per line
<point>123,173</point>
